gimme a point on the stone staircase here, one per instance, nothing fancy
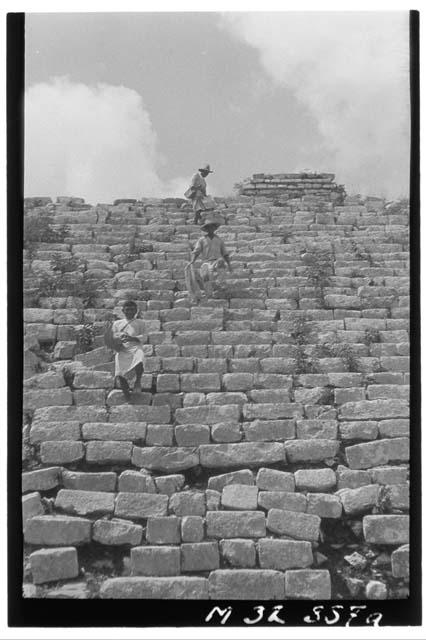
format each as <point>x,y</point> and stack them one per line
<point>267,455</point>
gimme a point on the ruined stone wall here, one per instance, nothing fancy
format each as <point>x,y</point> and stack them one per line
<point>267,455</point>
<point>293,185</point>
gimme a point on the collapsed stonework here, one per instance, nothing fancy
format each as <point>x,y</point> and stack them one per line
<point>287,186</point>
<point>267,455</point>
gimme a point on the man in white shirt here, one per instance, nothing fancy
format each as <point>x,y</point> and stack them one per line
<point>198,191</point>
<point>213,253</point>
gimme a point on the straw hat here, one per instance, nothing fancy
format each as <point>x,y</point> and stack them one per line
<point>206,167</point>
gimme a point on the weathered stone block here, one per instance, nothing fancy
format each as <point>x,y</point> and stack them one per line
<point>85,503</point>
<point>272,411</point>
<point>284,554</point>
<point>155,561</point>
<point>213,499</point>
<point>400,559</point>
<point>286,500</point>
<point>324,505</point>
<point>274,480</point>
<point>188,503</point>
<point>246,584</point>
<point>386,529</point>
<point>163,530</point>
<point>235,524</point>
<point>93,380</point>
<point>322,429</point>
<point>307,584</point>
<point>169,484</point>
<point>239,497</point>
<point>58,530</point>
<point>301,526</point>
<point>104,451</point>
<point>200,556</point>
<point>351,479</point>
<point>359,430</point>
<point>192,434</point>
<point>226,432</point>
<point>129,431</point>
<point>159,435</point>
<point>165,458</point>
<point>192,528</point>
<point>374,410</point>
<point>359,500</point>
<point>168,382</point>
<point>41,479</point>
<point>387,475</point>
<point>136,482</point>
<point>61,451</point>
<point>311,450</point>
<point>273,430</point>
<point>48,431</point>
<point>244,453</point>
<point>48,565</point>
<point>239,553</point>
<point>244,476</point>
<point>238,381</point>
<point>173,588</point>
<point>140,505</point>
<point>201,382</point>
<point>394,428</point>
<point>315,479</point>
<point>31,506</point>
<point>380,452</point>
<point>105,481</point>
<point>117,532</point>
<point>39,398</point>
<point>208,414</point>
<point>398,496</point>
<point>141,413</point>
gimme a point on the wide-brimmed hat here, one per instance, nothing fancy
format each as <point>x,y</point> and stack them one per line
<point>210,222</point>
<point>205,167</point>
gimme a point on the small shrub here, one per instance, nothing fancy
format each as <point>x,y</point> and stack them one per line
<point>85,337</point>
<point>349,357</point>
<point>371,336</point>
<point>39,229</point>
<point>319,268</point>
<point>305,363</point>
<point>300,331</point>
<point>64,265</point>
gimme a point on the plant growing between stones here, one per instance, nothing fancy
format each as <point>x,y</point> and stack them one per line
<point>349,357</point>
<point>371,336</point>
<point>319,268</point>
<point>85,337</point>
<point>64,265</point>
<point>40,229</point>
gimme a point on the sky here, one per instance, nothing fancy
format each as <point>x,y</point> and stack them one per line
<point>132,104</point>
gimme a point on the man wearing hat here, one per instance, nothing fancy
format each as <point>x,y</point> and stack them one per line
<point>213,253</point>
<point>198,191</point>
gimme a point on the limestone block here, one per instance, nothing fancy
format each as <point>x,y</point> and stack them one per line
<point>386,529</point>
<point>359,500</point>
<point>170,588</point>
<point>141,413</point>
<point>307,584</point>
<point>286,500</point>
<point>48,565</point>
<point>213,499</point>
<point>61,451</point>
<point>192,528</point>
<point>58,530</point>
<point>316,450</point>
<point>238,381</point>
<point>223,432</point>
<point>284,554</point>
<point>400,559</point>
<point>192,434</point>
<point>324,505</point>
<point>274,480</point>
<point>41,479</point>
<point>239,552</point>
<point>136,482</point>
<point>136,506</point>
<point>155,561</point>
<point>272,430</point>
<point>379,452</point>
<point>159,435</point>
<point>129,431</point>
<point>105,481</point>
<point>168,382</point>
<point>387,475</point>
<point>31,506</point>
<point>244,453</point>
<point>200,382</point>
<point>169,484</point>
<point>235,524</point>
<point>272,411</point>
<point>188,503</point>
<point>200,556</point>
<point>374,410</point>
<point>165,459</point>
<point>301,526</point>
<point>163,530</point>
<point>246,584</point>
<point>315,479</point>
<point>39,398</point>
<point>45,431</point>
<point>85,503</point>
<point>239,497</point>
<point>243,476</point>
<point>359,430</point>
<point>105,452</point>
<point>322,429</point>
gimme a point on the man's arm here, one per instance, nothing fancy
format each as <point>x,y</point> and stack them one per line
<point>197,250</point>
<point>225,255</point>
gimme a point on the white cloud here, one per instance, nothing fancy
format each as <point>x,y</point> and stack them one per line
<point>351,69</point>
<point>94,142</point>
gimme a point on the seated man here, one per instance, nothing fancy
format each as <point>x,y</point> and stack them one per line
<point>129,357</point>
<point>213,254</point>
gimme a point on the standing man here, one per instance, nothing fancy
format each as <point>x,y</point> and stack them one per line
<point>198,191</point>
<point>129,357</point>
<point>213,253</point>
